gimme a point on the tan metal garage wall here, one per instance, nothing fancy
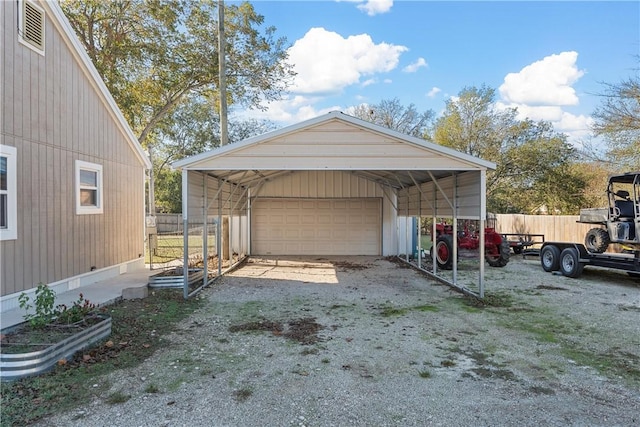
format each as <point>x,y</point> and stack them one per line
<point>467,191</point>
<point>230,196</point>
<point>336,184</point>
<point>287,226</point>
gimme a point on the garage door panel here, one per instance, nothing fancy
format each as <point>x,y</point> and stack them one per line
<point>316,227</point>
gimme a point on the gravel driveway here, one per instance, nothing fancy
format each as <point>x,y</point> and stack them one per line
<point>365,341</point>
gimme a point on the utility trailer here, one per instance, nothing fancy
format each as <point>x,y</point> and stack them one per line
<point>571,258</point>
<point>521,242</point>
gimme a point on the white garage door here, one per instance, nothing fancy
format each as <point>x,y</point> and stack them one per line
<point>316,227</point>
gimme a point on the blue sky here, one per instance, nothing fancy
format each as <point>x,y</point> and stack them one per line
<point>546,58</point>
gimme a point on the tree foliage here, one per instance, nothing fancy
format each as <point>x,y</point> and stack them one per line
<point>154,54</point>
<point>393,115</point>
<point>618,120</point>
<point>192,127</point>
<point>533,163</point>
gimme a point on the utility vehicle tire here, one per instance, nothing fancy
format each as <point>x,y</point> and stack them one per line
<point>570,264</point>
<point>597,240</point>
<point>502,259</point>
<point>444,252</point>
<point>550,258</point>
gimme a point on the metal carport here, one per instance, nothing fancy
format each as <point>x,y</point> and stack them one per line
<point>334,157</point>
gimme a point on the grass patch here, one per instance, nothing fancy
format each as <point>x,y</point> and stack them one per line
<point>424,374</point>
<point>494,299</point>
<point>612,363</point>
<point>117,397</point>
<point>389,311</point>
<point>243,394</point>
<point>172,247</point>
<point>30,399</point>
<point>152,388</point>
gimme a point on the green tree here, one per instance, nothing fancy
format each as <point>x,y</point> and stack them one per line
<point>153,54</point>
<point>191,128</point>
<point>534,163</point>
<point>393,115</point>
<point>617,119</point>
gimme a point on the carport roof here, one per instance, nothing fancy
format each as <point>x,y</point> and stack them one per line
<point>334,141</point>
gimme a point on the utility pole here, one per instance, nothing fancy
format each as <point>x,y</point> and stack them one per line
<point>222,77</point>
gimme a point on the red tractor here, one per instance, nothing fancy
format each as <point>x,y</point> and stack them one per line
<point>496,248</point>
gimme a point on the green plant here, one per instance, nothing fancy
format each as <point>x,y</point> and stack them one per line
<point>424,374</point>
<point>78,311</point>
<point>44,309</point>
<point>117,397</point>
<point>46,313</point>
<point>152,388</point>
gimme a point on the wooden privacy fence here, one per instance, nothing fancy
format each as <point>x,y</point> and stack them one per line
<point>557,228</point>
<point>169,223</point>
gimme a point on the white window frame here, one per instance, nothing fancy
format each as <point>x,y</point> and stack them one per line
<point>11,232</point>
<point>92,167</point>
<point>21,20</point>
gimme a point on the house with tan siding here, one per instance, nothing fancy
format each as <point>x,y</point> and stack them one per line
<point>72,174</point>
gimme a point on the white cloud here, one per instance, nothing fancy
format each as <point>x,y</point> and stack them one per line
<point>433,92</point>
<point>368,82</point>
<point>375,7</point>
<point>412,68</point>
<point>326,62</point>
<point>545,82</point>
<point>541,90</point>
<point>291,109</point>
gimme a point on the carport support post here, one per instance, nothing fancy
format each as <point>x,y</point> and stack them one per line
<point>419,228</point>
<point>230,230</point>
<point>205,232</point>
<point>219,230</point>
<point>248,252</point>
<point>482,257</point>
<point>454,207</point>
<point>406,236</point>
<point>483,215</point>
<point>185,232</point>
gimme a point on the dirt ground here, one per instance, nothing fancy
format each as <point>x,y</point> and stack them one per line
<point>367,341</point>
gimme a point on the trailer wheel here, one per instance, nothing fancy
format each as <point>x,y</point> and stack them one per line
<point>550,258</point>
<point>444,252</point>
<point>597,240</point>
<point>570,264</point>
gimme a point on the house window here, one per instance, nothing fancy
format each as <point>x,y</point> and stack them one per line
<point>8,193</point>
<point>31,30</point>
<point>88,188</point>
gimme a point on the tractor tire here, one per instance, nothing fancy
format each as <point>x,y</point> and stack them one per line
<point>502,259</point>
<point>597,240</point>
<point>570,264</point>
<point>550,258</point>
<point>444,252</point>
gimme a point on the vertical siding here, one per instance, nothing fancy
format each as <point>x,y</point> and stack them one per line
<point>321,184</point>
<point>54,116</point>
